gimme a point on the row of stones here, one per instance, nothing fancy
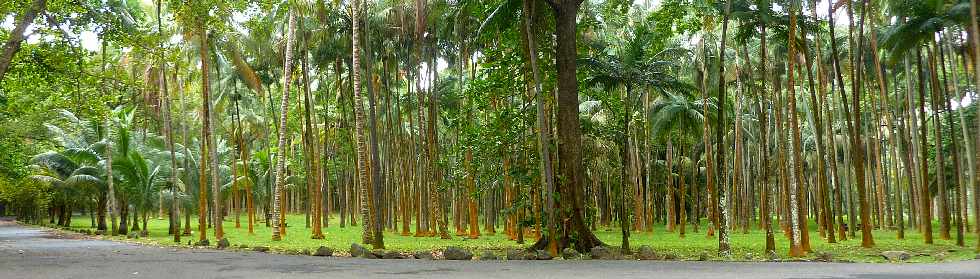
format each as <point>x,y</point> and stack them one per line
<point>454,253</point>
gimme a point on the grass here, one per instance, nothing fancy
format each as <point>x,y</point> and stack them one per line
<point>745,247</point>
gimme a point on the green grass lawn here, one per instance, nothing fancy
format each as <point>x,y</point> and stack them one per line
<point>747,247</point>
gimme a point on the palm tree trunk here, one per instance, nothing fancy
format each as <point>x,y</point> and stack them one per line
<point>377,193</point>
<point>544,126</point>
<point>854,126</point>
<point>815,110</point>
<point>764,210</point>
<point>277,226</point>
<point>976,171</point>
<point>959,197</point>
<point>363,162</point>
<point>706,141</point>
<point>312,152</point>
<point>202,164</point>
<point>724,249</point>
<point>967,143</point>
<point>942,196</point>
<point>795,195</point>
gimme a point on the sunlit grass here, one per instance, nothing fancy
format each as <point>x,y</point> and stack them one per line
<point>745,247</point>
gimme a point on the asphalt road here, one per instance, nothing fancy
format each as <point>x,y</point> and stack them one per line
<point>27,252</point>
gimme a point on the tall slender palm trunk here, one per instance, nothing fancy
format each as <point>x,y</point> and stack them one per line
<point>724,249</point>
<point>764,109</point>
<point>202,218</point>
<point>976,171</point>
<point>277,206</point>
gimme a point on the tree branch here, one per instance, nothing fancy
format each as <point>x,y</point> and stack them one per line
<point>17,35</point>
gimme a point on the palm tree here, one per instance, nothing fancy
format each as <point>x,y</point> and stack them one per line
<point>631,67</point>
<point>205,129</point>
<point>67,177</point>
<point>723,247</point>
<point>168,132</point>
<point>796,193</point>
<point>363,162</point>
<point>375,206</point>
<point>82,142</point>
<point>281,157</point>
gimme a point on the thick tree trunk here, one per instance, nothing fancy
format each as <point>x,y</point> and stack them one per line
<point>574,233</point>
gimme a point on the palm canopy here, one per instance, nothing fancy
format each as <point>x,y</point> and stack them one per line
<point>676,113</point>
<point>630,65</point>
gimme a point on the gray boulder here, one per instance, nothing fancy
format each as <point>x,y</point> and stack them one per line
<point>392,255</point>
<point>543,255</point>
<point>646,253</point>
<point>423,255</point>
<point>488,255</point>
<point>204,242</point>
<point>323,251</point>
<point>896,255</point>
<point>455,253</point>
<point>516,254</point>
<point>223,243</point>
<point>772,256</point>
<point>603,253</point>
<point>569,253</point>
<point>825,257</point>
<point>356,250</point>
<point>374,254</point>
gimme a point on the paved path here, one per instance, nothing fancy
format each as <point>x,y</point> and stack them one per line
<point>37,253</point>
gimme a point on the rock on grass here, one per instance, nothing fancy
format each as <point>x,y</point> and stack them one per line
<point>516,254</point>
<point>323,251</point>
<point>646,253</point>
<point>543,255</point>
<point>824,257</point>
<point>896,255</point>
<point>223,243</point>
<point>603,253</point>
<point>392,255</point>
<point>488,255</point>
<point>423,255</point>
<point>356,250</point>
<point>455,253</point>
<point>569,253</point>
